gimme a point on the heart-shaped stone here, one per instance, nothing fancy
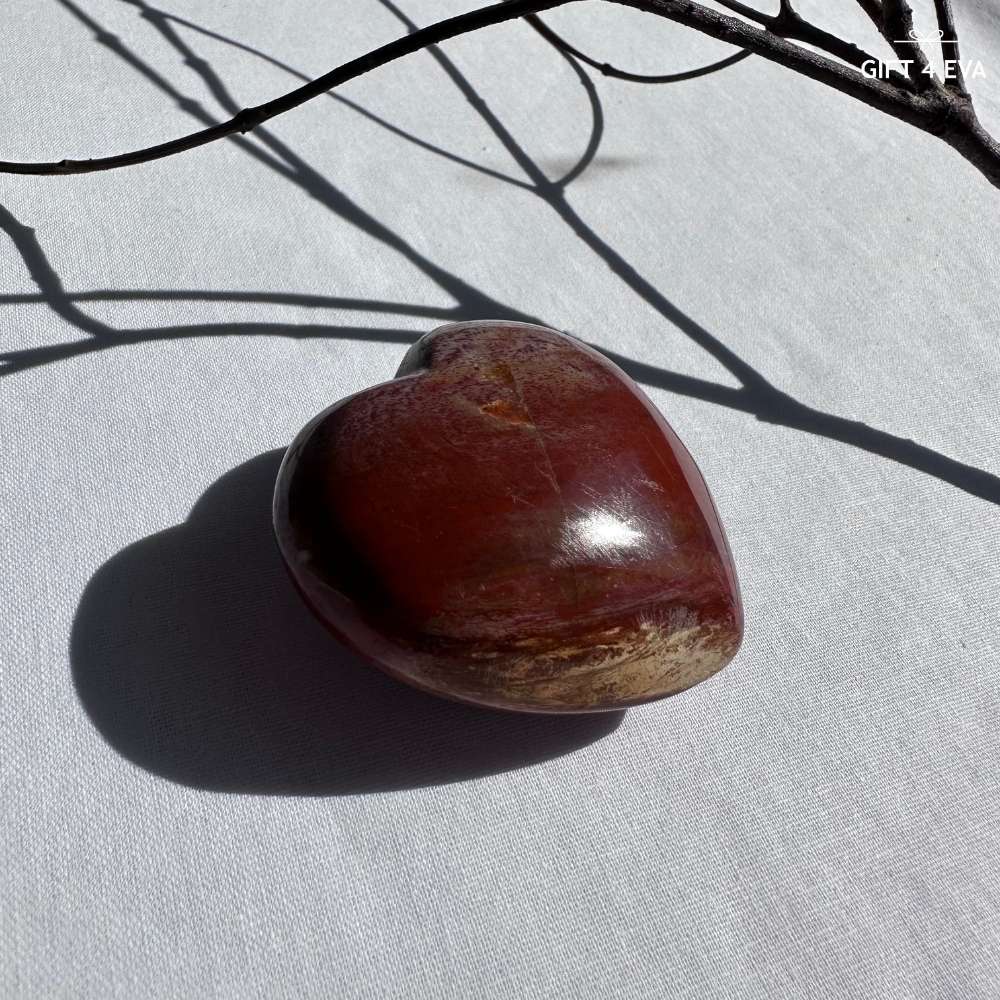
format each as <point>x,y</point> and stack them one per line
<point>511,522</point>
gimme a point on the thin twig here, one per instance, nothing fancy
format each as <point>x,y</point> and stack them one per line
<point>873,8</point>
<point>877,93</point>
<point>935,108</point>
<point>339,98</point>
<point>606,69</point>
<point>897,28</point>
<point>788,23</point>
<point>955,79</point>
<point>250,118</point>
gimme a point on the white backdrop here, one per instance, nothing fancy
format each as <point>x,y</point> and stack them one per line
<point>203,797</point>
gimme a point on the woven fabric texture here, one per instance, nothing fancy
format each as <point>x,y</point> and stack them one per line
<point>202,796</point>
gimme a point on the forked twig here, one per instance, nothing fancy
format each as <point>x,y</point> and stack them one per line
<point>919,98</point>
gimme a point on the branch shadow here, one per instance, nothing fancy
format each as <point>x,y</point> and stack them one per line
<point>196,660</point>
<point>754,395</point>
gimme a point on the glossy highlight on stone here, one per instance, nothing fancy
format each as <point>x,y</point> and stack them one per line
<point>510,522</point>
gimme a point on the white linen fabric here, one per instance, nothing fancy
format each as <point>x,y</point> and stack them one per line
<point>202,796</point>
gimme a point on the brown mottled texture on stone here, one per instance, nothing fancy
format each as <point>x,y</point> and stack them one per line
<point>511,522</point>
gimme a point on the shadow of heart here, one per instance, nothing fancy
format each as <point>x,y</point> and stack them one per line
<point>196,660</point>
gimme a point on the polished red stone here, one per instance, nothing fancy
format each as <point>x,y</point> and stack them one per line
<point>511,522</point>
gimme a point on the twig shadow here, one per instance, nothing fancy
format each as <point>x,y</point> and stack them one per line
<point>196,660</point>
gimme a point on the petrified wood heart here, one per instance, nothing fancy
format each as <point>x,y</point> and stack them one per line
<point>510,522</point>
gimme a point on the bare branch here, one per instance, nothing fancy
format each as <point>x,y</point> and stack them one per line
<point>925,103</point>
<point>250,118</point>
<point>746,11</point>
<point>873,8</point>
<point>955,79</point>
<point>788,23</point>
<point>880,94</point>
<point>897,27</point>
<point>606,69</point>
